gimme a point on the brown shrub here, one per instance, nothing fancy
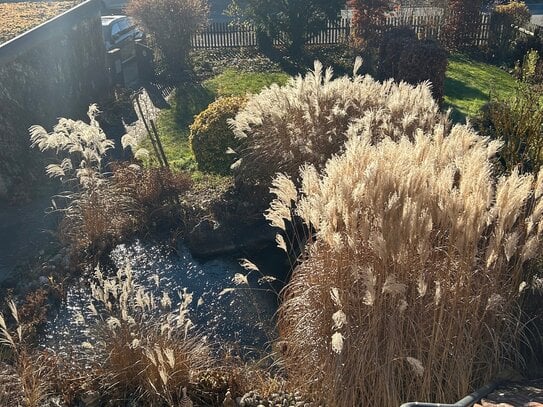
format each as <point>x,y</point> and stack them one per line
<point>171,24</point>
<point>462,21</point>
<point>368,17</point>
<point>151,188</point>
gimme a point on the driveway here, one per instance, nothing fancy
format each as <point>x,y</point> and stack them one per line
<point>26,233</point>
<point>537,13</point>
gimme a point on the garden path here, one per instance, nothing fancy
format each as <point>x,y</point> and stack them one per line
<point>26,233</point>
<point>522,394</point>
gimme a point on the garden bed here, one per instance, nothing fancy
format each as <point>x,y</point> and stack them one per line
<point>469,86</point>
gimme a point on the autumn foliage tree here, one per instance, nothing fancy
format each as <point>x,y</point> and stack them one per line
<point>368,16</point>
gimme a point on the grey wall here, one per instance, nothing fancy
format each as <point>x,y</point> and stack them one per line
<point>55,70</point>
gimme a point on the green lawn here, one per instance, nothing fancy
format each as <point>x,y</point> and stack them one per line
<point>235,83</point>
<point>469,84</point>
<point>191,99</point>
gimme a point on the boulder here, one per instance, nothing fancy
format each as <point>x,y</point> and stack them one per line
<point>210,238</point>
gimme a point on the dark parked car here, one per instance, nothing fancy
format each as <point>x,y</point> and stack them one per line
<point>113,5</point>
<point>120,32</point>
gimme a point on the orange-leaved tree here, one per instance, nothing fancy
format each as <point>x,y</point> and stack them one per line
<point>368,16</point>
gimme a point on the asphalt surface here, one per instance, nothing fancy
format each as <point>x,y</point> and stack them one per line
<point>535,8</point>
<point>25,231</point>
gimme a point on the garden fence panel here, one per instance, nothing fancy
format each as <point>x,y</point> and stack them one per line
<point>228,35</point>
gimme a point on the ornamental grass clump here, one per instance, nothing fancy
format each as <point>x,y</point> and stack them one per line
<point>306,120</point>
<point>95,211</point>
<point>211,139</point>
<point>411,283</point>
<point>145,348</point>
<point>100,208</point>
<point>26,374</point>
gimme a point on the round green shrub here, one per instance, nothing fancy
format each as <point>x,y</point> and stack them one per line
<point>211,135</point>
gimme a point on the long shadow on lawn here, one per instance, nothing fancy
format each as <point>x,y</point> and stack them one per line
<point>191,98</point>
<point>457,90</point>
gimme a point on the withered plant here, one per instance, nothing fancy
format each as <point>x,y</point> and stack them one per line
<point>25,377</point>
<point>306,120</point>
<point>144,350</point>
<point>101,208</point>
<point>171,24</point>
<point>94,212</point>
<point>411,284</point>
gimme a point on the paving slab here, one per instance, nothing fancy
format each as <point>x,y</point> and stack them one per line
<point>518,394</point>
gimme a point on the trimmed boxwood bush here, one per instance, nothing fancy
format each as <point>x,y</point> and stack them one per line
<point>211,135</point>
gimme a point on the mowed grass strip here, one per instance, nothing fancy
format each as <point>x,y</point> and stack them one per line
<point>470,84</point>
<point>192,98</point>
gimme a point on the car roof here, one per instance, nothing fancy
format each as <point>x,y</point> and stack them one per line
<point>108,20</point>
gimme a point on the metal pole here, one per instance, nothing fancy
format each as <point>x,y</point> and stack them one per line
<point>467,401</point>
<point>159,144</point>
<point>137,98</point>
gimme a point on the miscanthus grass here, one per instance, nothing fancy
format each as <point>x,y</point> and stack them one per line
<point>411,283</point>
<point>145,349</point>
<point>305,121</point>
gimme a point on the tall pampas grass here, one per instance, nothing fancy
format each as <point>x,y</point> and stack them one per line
<point>306,120</point>
<point>410,286</point>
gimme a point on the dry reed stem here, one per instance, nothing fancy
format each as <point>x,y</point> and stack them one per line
<point>306,120</point>
<point>411,287</point>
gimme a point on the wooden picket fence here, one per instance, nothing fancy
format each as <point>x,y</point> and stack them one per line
<point>226,35</point>
<point>430,27</point>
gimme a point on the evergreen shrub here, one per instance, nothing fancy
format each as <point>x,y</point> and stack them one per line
<point>404,57</point>
<point>211,136</point>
